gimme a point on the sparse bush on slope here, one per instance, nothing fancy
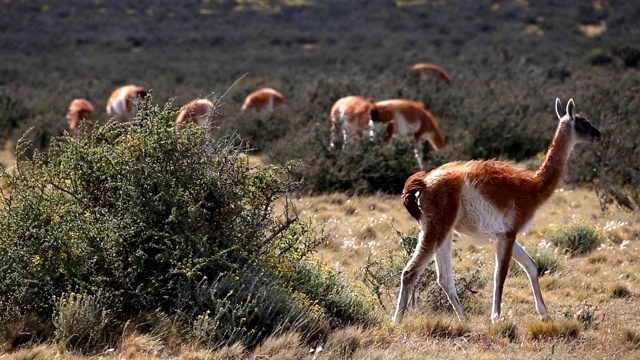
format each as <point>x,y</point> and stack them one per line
<point>153,218</point>
<point>576,239</point>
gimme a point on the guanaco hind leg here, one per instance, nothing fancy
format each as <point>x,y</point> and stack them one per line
<point>430,240</point>
<point>444,268</point>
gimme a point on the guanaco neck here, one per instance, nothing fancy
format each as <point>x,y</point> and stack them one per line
<point>549,175</point>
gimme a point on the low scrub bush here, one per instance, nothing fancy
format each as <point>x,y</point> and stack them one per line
<point>82,323</point>
<point>586,315</point>
<point>576,239</point>
<point>153,219</point>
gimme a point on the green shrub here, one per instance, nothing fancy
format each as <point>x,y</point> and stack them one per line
<point>154,218</point>
<point>576,239</point>
<point>243,307</point>
<point>612,162</point>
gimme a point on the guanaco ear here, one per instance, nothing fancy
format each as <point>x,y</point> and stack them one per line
<point>559,109</point>
<point>571,108</point>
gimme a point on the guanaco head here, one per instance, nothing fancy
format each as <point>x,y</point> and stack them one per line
<point>583,131</point>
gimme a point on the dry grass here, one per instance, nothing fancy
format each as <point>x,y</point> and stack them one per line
<point>435,328</point>
<point>504,329</point>
<point>630,338</point>
<point>592,298</point>
<point>549,330</point>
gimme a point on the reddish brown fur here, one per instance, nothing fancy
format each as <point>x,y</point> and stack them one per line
<point>356,111</point>
<point>424,69</point>
<point>80,110</point>
<point>259,100</point>
<point>414,113</point>
<point>131,93</point>
<point>492,199</point>
<point>196,111</point>
<point>414,184</point>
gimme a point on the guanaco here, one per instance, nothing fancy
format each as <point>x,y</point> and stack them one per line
<point>123,100</point>
<point>352,113</point>
<point>263,101</point>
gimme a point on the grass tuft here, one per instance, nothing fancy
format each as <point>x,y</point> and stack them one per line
<point>549,330</point>
<point>504,329</point>
<point>285,346</point>
<point>630,338</point>
<point>140,346</point>
<point>436,328</point>
<point>342,343</point>
<point>620,292</point>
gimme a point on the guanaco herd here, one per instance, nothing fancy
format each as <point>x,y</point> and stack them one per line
<point>489,200</point>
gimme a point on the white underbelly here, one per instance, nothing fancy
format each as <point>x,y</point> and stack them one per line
<point>120,105</point>
<point>403,127</point>
<point>479,218</point>
<point>203,120</point>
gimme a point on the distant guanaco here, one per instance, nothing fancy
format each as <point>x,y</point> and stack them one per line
<point>123,100</point>
<point>263,101</point>
<point>352,114</point>
<point>410,118</point>
<point>80,111</point>
<point>199,111</point>
<point>423,70</point>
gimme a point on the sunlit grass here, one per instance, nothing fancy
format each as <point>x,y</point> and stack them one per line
<point>547,330</point>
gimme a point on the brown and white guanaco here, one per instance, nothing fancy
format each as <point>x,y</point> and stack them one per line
<point>80,111</point>
<point>351,114</point>
<point>486,200</point>
<point>410,118</point>
<point>424,70</point>
<point>263,101</point>
<point>199,111</point>
<point>123,100</point>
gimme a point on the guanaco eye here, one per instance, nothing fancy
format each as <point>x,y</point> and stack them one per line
<point>581,124</point>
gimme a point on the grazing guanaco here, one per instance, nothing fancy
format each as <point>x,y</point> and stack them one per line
<point>424,70</point>
<point>410,118</point>
<point>486,200</point>
<point>351,114</point>
<point>199,111</point>
<point>80,110</point>
<point>263,101</point>
<point>123,100</point>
